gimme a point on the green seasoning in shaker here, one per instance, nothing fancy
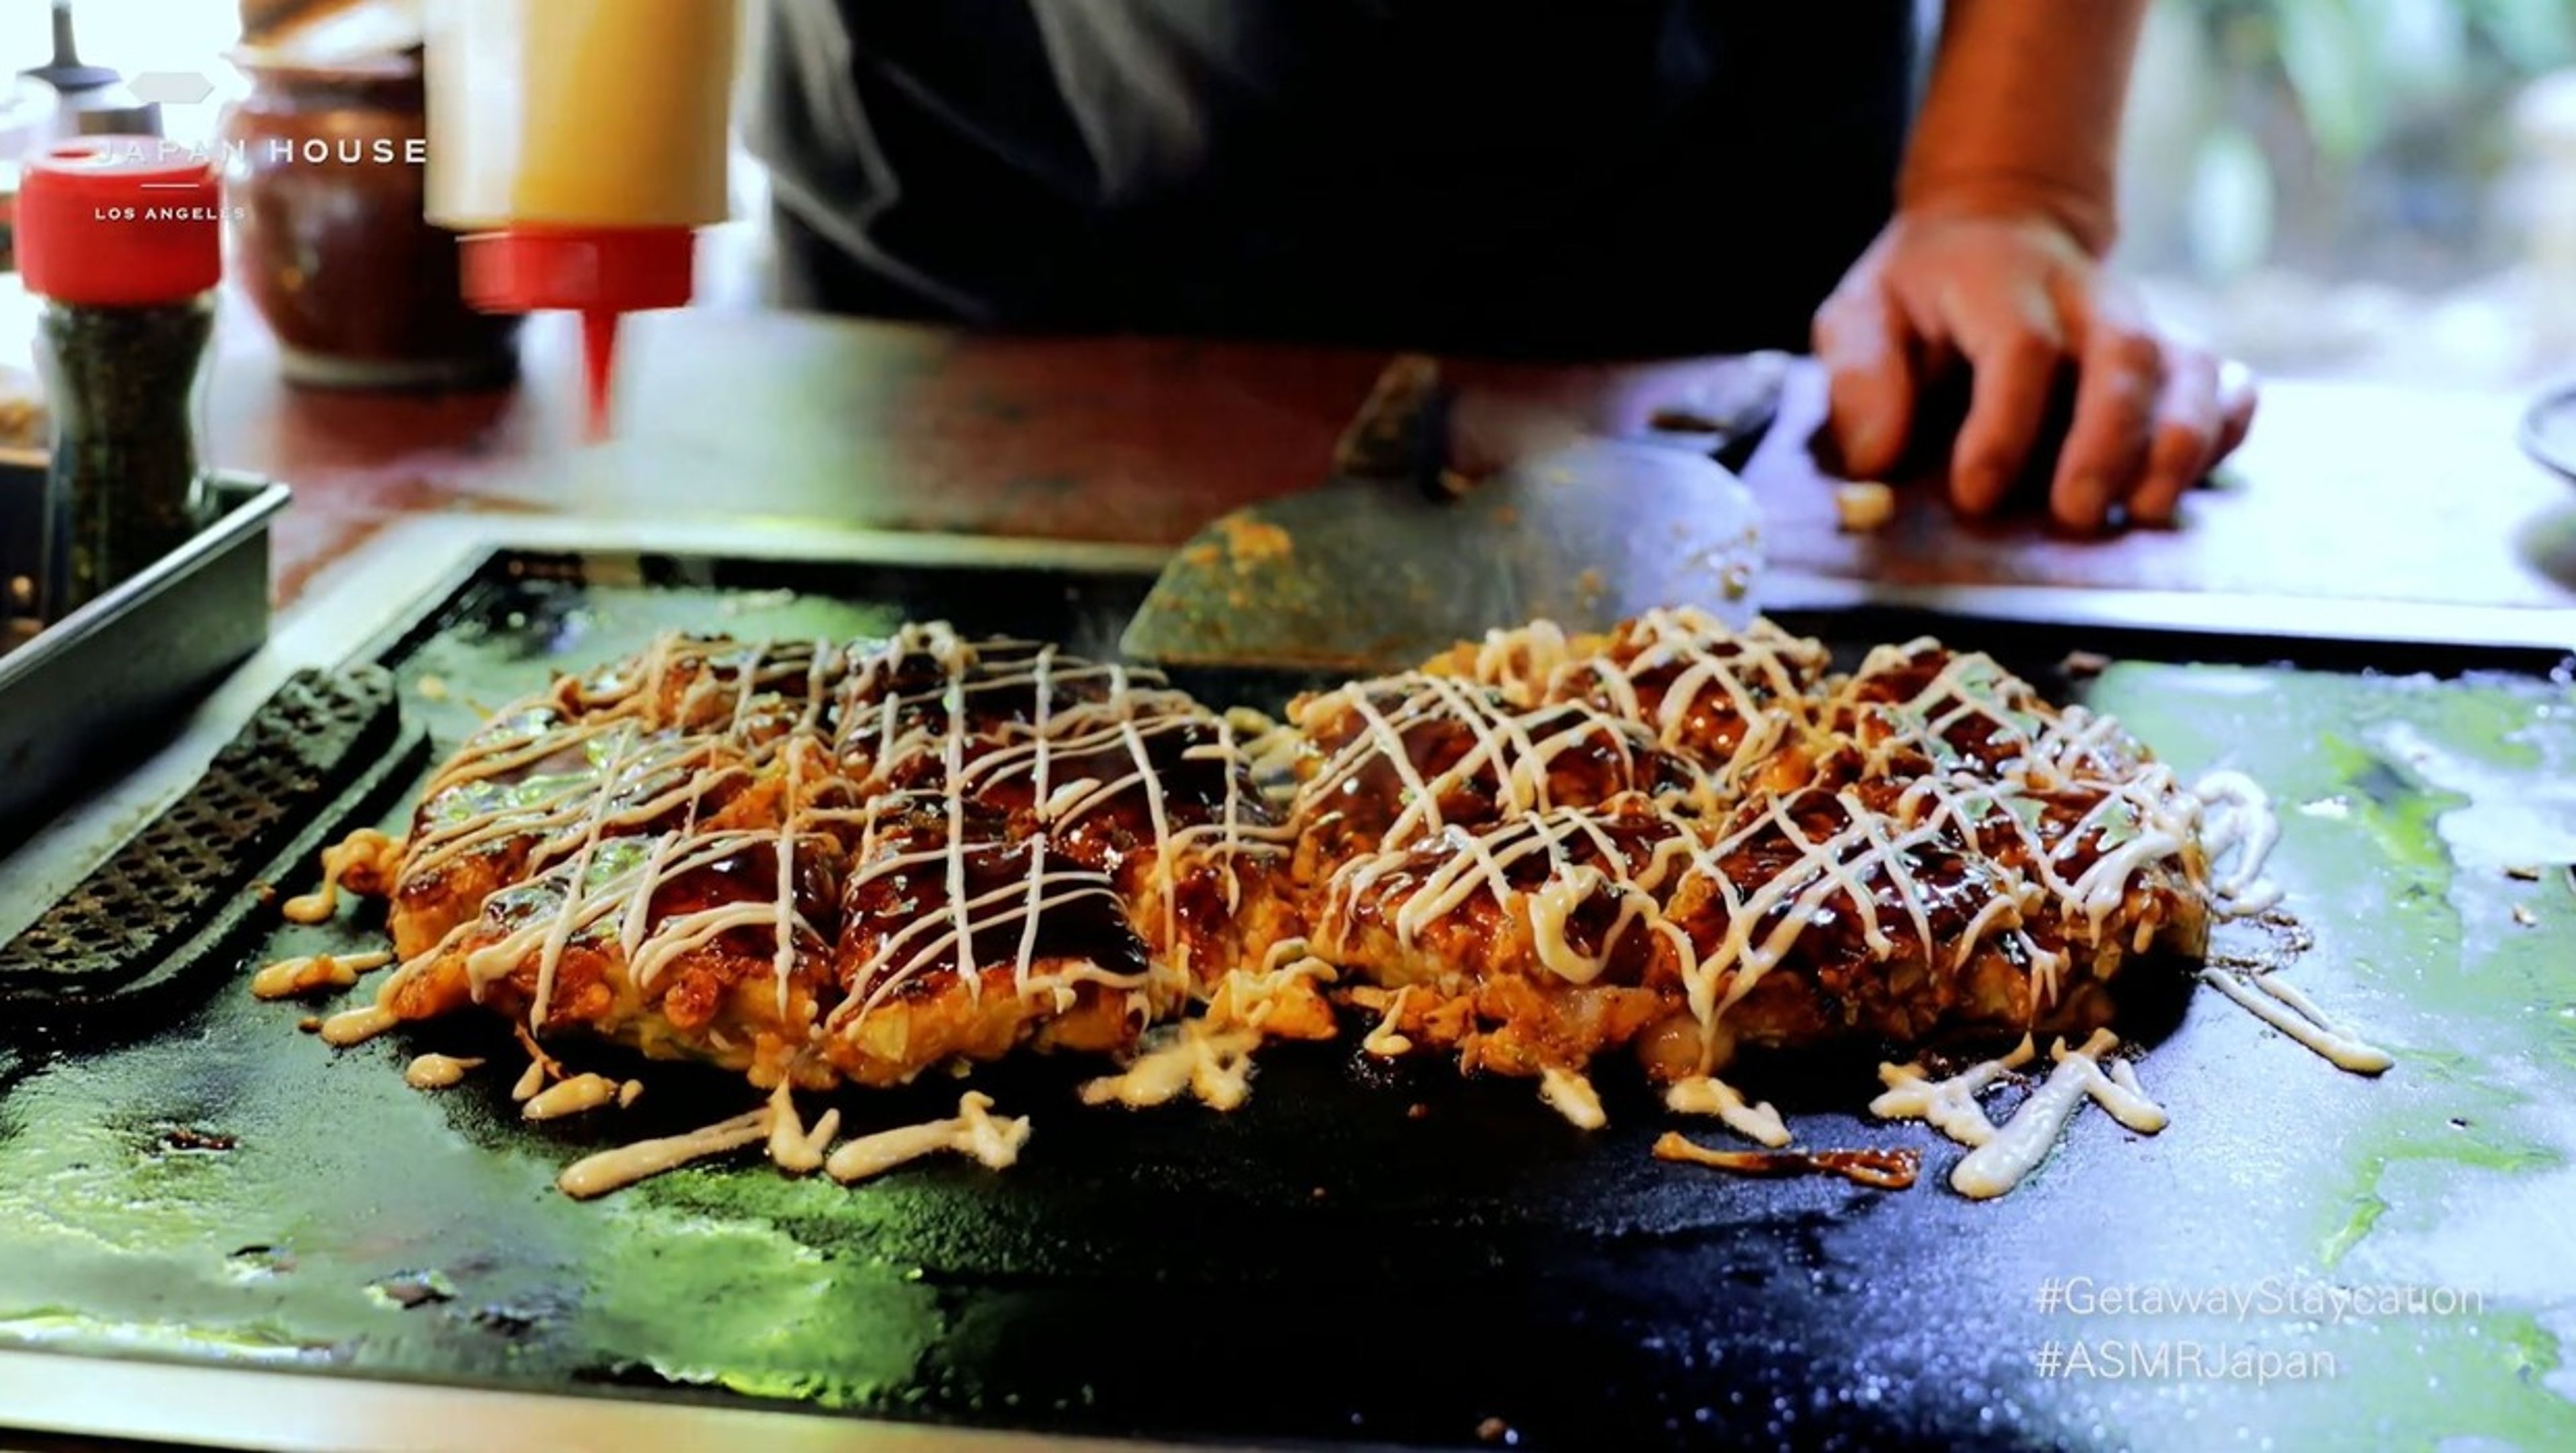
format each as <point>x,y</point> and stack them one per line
<point>121,240</point>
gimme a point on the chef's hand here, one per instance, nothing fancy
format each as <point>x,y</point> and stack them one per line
<point>2017,302</point>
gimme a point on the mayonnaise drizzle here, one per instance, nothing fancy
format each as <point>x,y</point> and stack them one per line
<point>1281,999</point>
<point>366,853</point>
<point>1703,735</point>
<point>569,1097</point>
<point>2000,1164</point>
<point>1572,1096</point>
<point>2299,1017</point>
<point>972,1132</point>
<point>1213,1065</point>
<point>288,978</point>
<point>1387,1040</point>
<point>437,1071</point>
<point>356,1026</point>
<point>1949,1105</point>
<point>2240,830</point>
<point>597,1175</point>
<point>1708,1095</point>
<point>1112,720</point>
<point>792,1148</point>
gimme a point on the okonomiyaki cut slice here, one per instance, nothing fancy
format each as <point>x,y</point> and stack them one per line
<point>746,691</point>
<point>1532,943</point>
<point>1402,759</point>
<point>661,741</point>
<point>960,940</point>
<point>528,791</point>
<point>1737,702</point>
<point>1921,709</point>
<point>708,942</point>
<point>1120,772</point>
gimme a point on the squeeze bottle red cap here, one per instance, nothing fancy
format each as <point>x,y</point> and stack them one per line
<point>602,273</point>
<point>120,222</point>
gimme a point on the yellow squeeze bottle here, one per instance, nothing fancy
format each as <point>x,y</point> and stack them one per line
<point>576,146</point>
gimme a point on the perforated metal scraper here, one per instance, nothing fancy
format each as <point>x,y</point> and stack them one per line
<point>1373,574</point>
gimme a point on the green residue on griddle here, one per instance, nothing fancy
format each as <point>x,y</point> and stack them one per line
<point>2366,1212</point>
<point>2351,764</point>
<point>2463,1124</point>
<point>84,1180</point>
<point>2485,1373</point>
<point>2400,811</point>
<point>2452,1380</point>
<point>2469,1377</point>
<point>739,1303</point>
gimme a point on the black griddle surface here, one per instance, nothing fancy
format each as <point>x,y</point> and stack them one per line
<point>1383,1254</point>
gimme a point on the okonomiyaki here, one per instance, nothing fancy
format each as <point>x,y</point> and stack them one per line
<point>824,864</point>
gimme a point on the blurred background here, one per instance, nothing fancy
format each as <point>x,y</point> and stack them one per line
<point>2380,189</point>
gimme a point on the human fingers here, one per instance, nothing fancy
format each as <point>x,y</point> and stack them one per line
<point>1862,339</point>
<point>2014,343</point>
<point>2120,378</point>
<point>2186,433</point>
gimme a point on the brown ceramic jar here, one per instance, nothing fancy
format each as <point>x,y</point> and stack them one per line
<point>324,168</point>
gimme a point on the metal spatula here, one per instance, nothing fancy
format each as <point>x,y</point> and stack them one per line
<point>1372,575</point>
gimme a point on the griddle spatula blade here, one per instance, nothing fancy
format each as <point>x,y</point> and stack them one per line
<point>1366,575</point>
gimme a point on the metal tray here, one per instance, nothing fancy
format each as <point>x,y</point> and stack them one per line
<point>92,691</point>
<point>1329,1266</point>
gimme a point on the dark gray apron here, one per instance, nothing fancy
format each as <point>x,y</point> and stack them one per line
<point>1582,177</point>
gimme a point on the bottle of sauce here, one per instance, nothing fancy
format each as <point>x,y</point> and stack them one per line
<point>576,145</point>
<point>120,240</point>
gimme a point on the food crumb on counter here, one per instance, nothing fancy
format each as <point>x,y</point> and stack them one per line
<point>310,1024</point>
<point>2524,916</point>
<point>1863,507</point>
<point>2523,873</point>
<point>433,688</point>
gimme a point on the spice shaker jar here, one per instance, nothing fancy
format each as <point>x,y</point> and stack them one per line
<point>121,242</point>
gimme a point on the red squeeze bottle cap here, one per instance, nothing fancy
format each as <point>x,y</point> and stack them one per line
<point>601,273</point>
<point>119,222</point>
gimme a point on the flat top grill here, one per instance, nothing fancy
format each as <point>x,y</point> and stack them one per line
<point>1380,1254</point>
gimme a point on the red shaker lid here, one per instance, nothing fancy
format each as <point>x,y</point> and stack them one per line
<point>119,221</point>
<point>528,268</point>
<point>601,273</point>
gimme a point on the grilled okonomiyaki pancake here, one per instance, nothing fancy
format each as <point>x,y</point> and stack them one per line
<point>1420,758</point>
<point>1924,851</point>
<point>1120,773</point>
<point>961,940</point>
<point>1730,699</point>
<point>664,741</point>
<point>824,862</point>
<point>750,854</point>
